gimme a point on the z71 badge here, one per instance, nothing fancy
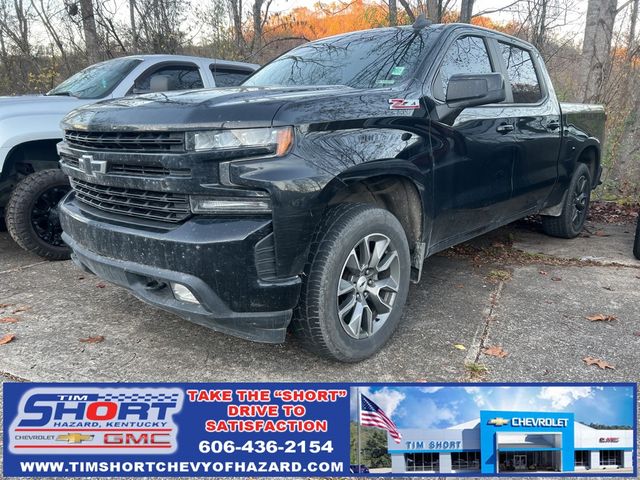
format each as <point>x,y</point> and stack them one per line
<point>404,103</point>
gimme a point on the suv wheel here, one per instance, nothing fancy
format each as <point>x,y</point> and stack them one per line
<point>636,243</point>
<point>356,283</point>
<point>576,206</point>
<point>32,214</point>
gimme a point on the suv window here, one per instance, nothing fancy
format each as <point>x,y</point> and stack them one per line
<point>229,76</point>
<point>465,55</point>
<point>173,77</point>
<point>522,74</point>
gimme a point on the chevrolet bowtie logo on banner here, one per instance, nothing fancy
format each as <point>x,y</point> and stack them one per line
<point>74,438</point>
<point>499,421</point>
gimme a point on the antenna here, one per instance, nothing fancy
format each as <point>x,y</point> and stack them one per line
<point>421,22</point>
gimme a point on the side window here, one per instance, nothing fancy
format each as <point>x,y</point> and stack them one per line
<point>229,77</point>
<point>522,74</point>
<point>169,77</point>
<point>466,55</point>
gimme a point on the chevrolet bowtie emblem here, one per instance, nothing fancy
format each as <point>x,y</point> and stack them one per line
<point>90,166</point>
<point>498,421</point>
<point>74,438</point>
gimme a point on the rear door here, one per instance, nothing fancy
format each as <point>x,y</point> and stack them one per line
<point>538,131</point>
<point>229,76</point>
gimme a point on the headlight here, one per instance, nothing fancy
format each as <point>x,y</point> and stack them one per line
<point>276,140</point>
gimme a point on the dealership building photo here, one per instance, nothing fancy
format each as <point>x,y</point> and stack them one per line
<point>513,441</point>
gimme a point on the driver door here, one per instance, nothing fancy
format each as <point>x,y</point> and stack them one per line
<point>473,157</point>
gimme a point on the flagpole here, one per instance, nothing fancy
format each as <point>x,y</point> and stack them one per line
<point>359,420</point>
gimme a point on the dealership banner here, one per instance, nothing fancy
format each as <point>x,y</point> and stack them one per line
<point>315,430</point>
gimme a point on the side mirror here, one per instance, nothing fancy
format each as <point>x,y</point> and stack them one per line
<point>466,91</point>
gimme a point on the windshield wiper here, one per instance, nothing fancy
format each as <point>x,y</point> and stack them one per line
<point>61,94</point>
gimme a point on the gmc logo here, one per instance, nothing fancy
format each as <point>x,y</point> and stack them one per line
<point>139,439</point>
<point>609,440</point>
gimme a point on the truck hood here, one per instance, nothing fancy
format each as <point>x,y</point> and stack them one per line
<point>36,105</point>
<point>230,107</point>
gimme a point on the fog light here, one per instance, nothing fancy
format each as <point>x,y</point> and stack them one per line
<point>231,205</point>
<point>183,293</point>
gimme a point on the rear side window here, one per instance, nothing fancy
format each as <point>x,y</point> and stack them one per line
<point>229,77</point>
<point>171,77</point>
<point>522,74</point>
<point>467,55</point>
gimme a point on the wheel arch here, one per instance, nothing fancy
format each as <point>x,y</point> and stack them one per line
<point>392,189</point>
<point>31,156</point>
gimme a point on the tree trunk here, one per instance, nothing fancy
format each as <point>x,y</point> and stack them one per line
<point>134,30</point>
<point>434,10</point>
<point>466,11</point>
<point>596,47</point>
<point>90,32</point>
<point>393,13</point>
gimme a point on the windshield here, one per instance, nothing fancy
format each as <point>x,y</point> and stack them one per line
<point>98,80</point>
<point>368,59</point>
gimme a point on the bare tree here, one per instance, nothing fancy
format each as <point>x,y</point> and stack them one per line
<point>466,11</point>
<point>596,47</point>
<point>393,13</point>
<point>90,31</point>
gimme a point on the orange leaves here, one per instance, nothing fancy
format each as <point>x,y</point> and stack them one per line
<point>598,362</point>
<point>8,320</point>
<point>600,317</point>
<point>7,338</point>
<point>95,339</point>
<point>495,351</point>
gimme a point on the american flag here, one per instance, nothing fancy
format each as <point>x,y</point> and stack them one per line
<point>371,415</point>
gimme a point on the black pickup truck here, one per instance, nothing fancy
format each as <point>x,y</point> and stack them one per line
<point>308,198</point>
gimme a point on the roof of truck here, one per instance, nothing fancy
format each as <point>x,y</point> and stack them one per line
<point>191,58</point>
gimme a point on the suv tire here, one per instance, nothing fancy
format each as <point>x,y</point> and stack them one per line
<point>355,283</point>
<point>32,214</point>
<point>636,242</point>
<point>575,209</point>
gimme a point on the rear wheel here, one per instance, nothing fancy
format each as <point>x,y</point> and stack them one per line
<point>32,214</point>
<point>576,206</point>
<point>356,283</point>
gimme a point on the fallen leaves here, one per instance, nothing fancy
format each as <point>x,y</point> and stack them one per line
<point>495,351</point>
<point>598,362</point>
<point>459,346</point>
<point>8,320</point>
<point>600,317</point>
<point>101,285</point>
<point>5,305</point>
<point>20,310</point>
<point>95,339</point>
<point>556,279</point>
<point>7,338</point>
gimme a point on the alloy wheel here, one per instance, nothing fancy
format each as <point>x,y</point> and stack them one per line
<point>44,216</point>
<point>580,201</point>
<point>368,286</point>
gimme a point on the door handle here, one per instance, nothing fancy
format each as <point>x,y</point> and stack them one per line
<point>505,128</point>
<point>553,125</point>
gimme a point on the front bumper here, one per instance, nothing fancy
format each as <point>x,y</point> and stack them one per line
<point>213,257</point>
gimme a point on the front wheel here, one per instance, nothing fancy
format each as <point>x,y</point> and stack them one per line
<point>356,283</point>
<point>32,214</point>
<point>576,206</point>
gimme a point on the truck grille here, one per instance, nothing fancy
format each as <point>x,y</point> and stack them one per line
<point>166,207</point>
<point>127,141</point>
<point>127,169</point>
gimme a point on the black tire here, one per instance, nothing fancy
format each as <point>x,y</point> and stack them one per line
<point>32,214</point>
<point>636,242</point>
<point>575,209</point>
<point>342,233</point>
